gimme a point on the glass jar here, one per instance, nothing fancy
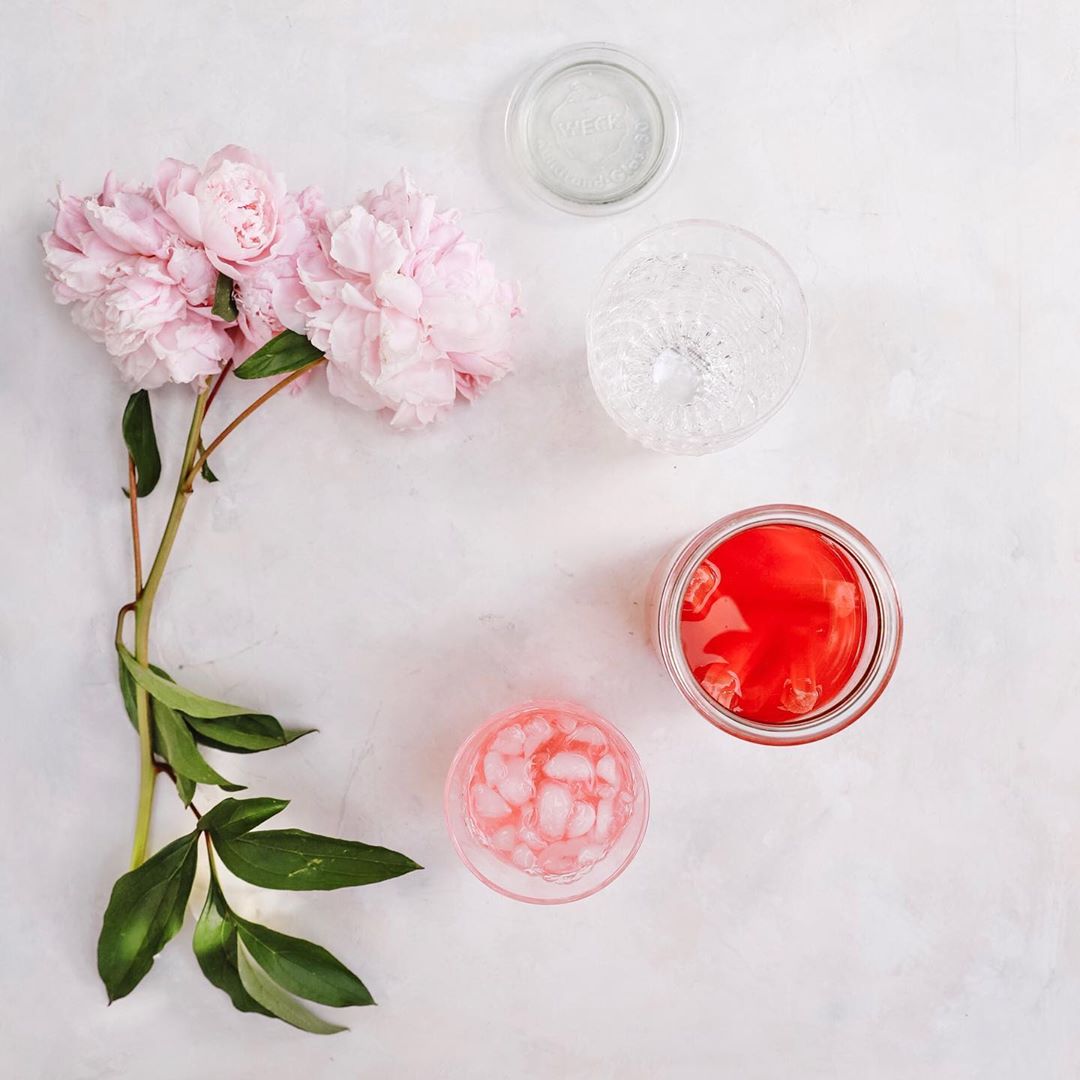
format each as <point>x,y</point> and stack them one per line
<point>881,636</point>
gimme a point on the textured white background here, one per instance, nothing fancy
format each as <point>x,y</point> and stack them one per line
<point>897,902</point>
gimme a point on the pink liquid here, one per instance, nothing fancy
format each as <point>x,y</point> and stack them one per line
<point>549,793</point>
<point>773,622</point>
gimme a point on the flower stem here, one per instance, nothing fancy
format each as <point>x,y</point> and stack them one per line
<point>234,424</point>
<point>193,461</point>
<point>144,605</point>
<point>170,772</point>
<point>217,385</point>
<point>136,548</point>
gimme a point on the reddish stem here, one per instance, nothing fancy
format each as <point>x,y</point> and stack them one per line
<point>136,545</point>
<point>217,385</point>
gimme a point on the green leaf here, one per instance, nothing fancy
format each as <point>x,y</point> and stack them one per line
<point>224,305</point>
<point>128,688</point>
<point>215,945</point>
<point>204,469</point>
<point>285,352</point>
<point>175,743</point>
<point>216,724</point>
<point>234,817</point>
<point>160,687</point>
<point>271,996</point>
<point>185,785</point>
<point>145,911</point>
<point>127,692</point>
<point>138,428</point>
<point>302,967</point>
<point>294,859</point>
<point>185,788</point>
<point>245,734</point>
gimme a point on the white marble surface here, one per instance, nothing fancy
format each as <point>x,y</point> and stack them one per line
<point>897,902</point>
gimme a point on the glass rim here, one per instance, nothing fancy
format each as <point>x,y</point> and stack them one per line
<point>837,715</point>
<point>476,736</point>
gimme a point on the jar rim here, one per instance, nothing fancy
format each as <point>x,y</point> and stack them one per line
<point>838,714</point>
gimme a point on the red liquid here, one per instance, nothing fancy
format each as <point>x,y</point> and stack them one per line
<point>773,622</point>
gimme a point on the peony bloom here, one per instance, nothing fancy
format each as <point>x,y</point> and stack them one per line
<point>236,208</point>
<point>405,306</point>
<point>152,334</point>
<point>181,351</point>
<point>136,286</point>
<point>79,262</point>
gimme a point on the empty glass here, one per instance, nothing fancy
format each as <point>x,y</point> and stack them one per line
<point>696,336</point>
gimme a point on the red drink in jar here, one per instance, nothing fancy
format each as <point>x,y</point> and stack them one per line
<point>779,624</point>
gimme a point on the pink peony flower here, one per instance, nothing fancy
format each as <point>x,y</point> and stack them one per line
<point>79,262</point>
<point>128,311</point>
<point>235,207</point>
<point>151,332</point>
<point>182,351</point>
<point>136,286</point>
<point>406,308</point>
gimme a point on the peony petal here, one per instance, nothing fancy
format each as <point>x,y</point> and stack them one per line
<point>400,292</point>
<point>285,298</point>
<point>399,338</point>
<point>183,208</point>
<point>352,387</point>
<point>429,381</point>
<point>353,296</point>
<point>362,244</point>
<point>347,342</point>
<point>128,227</point>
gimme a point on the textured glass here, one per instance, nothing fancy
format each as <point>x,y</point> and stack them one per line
<point>696,336</point>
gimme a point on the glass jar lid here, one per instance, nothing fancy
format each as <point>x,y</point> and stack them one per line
<point>593,129</point>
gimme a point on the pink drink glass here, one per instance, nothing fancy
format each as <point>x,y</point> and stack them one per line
<point>546,802</point>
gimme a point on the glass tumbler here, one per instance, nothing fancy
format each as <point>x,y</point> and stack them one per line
<point>546,802</point>
<point>696,336</point>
